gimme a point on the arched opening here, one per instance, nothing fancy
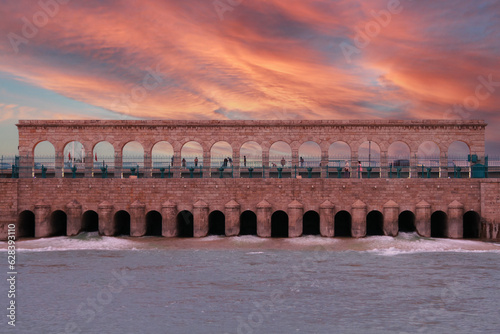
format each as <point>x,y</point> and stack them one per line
<point>428,154</point>
<point>251,155</point>
<point>58,223</point>
<point>458,159</point>
<point>406,222</point>
<point>398,157</point>
<point>369,154</point>
<point>310,223</point>
<point>162,155</point>
<point>339,153</point>
<point>103,155</point>
<point>191,155</point>
<point>74,156</point>
<point>216,223</point>
<point>280,155</point>
<point>153,223</point>
<point>26,225</point>
<point>472,225</point>
<point>248,223</point>
<point>44,155</point>
<point>221,154</point>
<point>132,156</point>
<point>342,224</point>
<point>279,225</point>
<point>121,221</point>
<point>185,226</point>
<point>90,221</point>
<point>309,154</point>
<point>375,223</point>
<point>439,224</point>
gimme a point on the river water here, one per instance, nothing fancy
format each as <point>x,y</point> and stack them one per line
<point>407,284</point>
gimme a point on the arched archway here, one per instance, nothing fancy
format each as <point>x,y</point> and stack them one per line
<point>406,222</point>
<point>369,154</point>
<point>74,155</point>
<point>339,153</point>
<point>374,223</point>
<point>132,155</point>
<point>398,154</point>
<point>279,225</point>
<point>248,223</point>
<point>439,224</point>
<point>103,155</point>
<point>162,155</point>
<point>251,154</point>
<point>90,221</point>
<point>280,152</point>
<point>309,154</point>
<point>472,225</point>
<point>221,154</point>
<point>191,155</point>
<point>44,155</point>
<point>310,223</point>
<point>26,224</point>
<point>58,223</point>
<point>428,154</point>
<point>458,155</point>
<point>216,223</point>
<point>185,226</point>
<point>153,223</point>
<point>121,222</point>
<point>342,225</point>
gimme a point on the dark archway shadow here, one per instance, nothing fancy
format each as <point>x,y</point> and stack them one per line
<point>472,225</point>
<point>343,224</point>
<point>153,223</point>
<point>121,222</point>
<point>26,225</point>
<point>248,223</point>
<point>279,225</point>
<point>406,222</point>
<point>58,223</point>
<point>90,221</point>
<point>375,223</point>
<point>439,222</point>
<point>310,223</point>
<point>216,223</point>
<point>185,226</point>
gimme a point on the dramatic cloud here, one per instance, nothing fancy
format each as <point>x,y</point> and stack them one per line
<point>259,59</point>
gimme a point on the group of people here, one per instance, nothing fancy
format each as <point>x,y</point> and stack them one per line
<point>184,161</point>
<point>347,172</point>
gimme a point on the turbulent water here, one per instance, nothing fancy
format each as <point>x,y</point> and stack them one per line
<point>408,284</point>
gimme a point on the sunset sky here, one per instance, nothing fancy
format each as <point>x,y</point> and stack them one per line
<point>249,59</point>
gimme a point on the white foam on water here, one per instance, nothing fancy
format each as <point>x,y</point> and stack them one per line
<point>248,239</point>
<point>253,253</point>
<point>312,240</point>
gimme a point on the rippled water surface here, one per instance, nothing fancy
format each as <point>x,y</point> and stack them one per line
<point>408,284</point>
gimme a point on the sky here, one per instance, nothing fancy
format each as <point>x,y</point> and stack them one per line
<point>249,59</point>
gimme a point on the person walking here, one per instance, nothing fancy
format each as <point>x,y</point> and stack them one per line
<point>183,162</point>
<point>244,160</point>
<point>360,170</point>
<point>301,162</point>
<point>196,161</point>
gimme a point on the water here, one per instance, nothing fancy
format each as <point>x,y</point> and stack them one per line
<point>408,284</point>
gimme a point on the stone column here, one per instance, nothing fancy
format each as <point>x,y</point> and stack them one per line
<point>391,218</point>
<point>105,212</point>
<point>137,219</point>
<point>423,218</point>
<point>295,219</point>
<point>59,166</point>
<point>74,218</point>
<point>384,165</point>
<point>148,165</point>
<point>176,169</point>
<point>89,164</point>
<point>455,226</point>
<point>26,164</point>
<point>295,158</point>
<point>264,219</point>
<point>443,165</point>
<point>326,219</point>
<point>169,219</point>
<point>200,219</point>
<point>236,163</point>
<point>42,220</point>
<point>413,165</point>
<point>353,169</point>
<point>358,228</point>
<point>324,163</point>
<point>118,165</point>
<point>232,214</point>
<point>265,163</point>
<point>207,164</point>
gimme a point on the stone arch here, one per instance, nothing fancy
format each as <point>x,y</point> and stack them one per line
<point>26,224</point>
<point>339,153</point>
<point>103,153</point>
<point>310,152</point>
<point>310,223</point>
<point>278,151</point>
<point>374,223</point>
<point>406,222</point>
<point>398,153</point>
<point>132,155</point>
<point>90,221</point>
<point>342,224</point>
<point>279,224</point>
<point>162,154</point>
<point>216,223</point>
<point>248,223</point>
<point>185,226</point>
<point>73,153</point>
<point>121,223</point>
<point>428,154</point>
<point>44,153</point>
<point>220,151</point>
<point>471,225</point>
<point>58,223</point>
<point>458,152</point>
<point>153,223</point>
<point>191,151</point>
<point>439,224</point>
<point>253,153</point>
<point>369,154</point>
